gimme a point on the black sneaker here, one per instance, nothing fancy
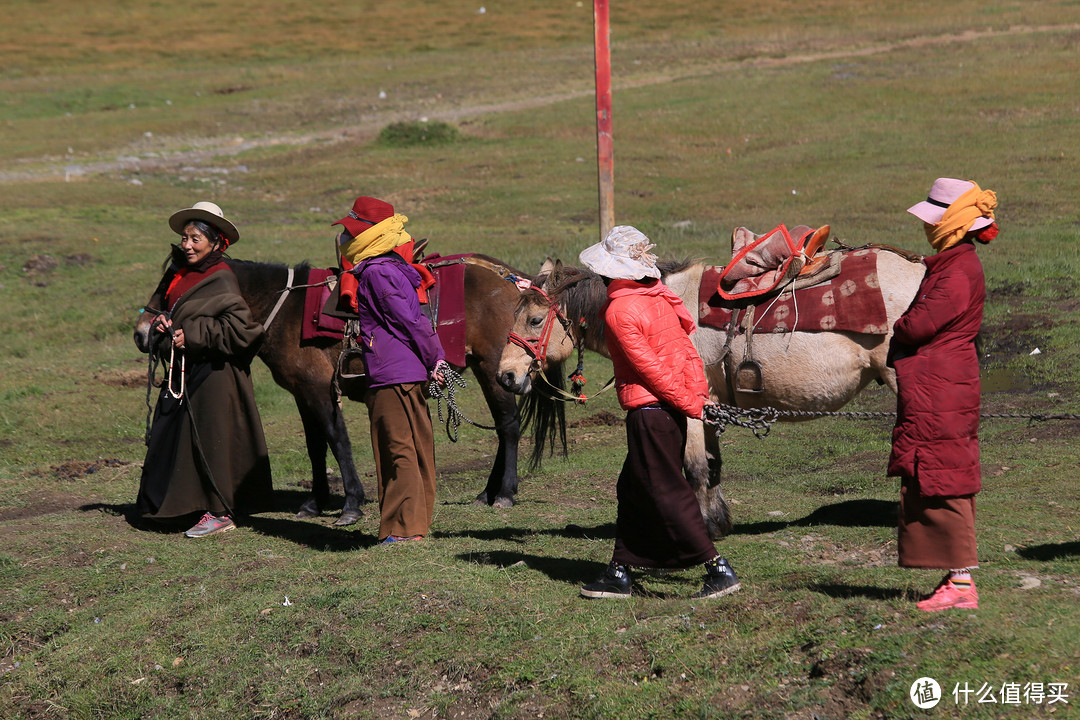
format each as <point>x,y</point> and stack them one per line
<point>720,580</point>
<point>614,583</point>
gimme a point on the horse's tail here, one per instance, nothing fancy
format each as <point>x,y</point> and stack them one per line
<point>547,415</point>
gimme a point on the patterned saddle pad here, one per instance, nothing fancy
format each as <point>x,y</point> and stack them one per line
<point>851,301</point>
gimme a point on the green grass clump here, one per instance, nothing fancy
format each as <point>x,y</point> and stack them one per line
<point>419,132</point>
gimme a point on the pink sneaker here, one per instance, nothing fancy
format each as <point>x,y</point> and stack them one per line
<point>948,596</point>
<point>210,524</point>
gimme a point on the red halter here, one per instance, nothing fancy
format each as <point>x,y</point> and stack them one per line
<point>537,347</point>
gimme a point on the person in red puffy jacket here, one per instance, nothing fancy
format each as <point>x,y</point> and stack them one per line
<point>660,381</point>
<point>935,448</point>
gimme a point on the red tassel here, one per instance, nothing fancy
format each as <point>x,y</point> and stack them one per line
<point>987,234</point>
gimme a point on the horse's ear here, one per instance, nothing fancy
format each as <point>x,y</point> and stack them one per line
<point>543,278</point>
<point>418,250</point>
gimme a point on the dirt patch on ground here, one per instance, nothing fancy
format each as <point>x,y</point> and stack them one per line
<point>123,378</point>
<point>851,685</point>
<point>78,469</point>
<point>600,419</point>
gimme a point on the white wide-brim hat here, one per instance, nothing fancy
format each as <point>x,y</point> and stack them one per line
<point>622,255</point>
<point>943,193</point>
<point>209,213</point>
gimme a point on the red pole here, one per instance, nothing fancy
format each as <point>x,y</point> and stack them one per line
<point>605,145</point>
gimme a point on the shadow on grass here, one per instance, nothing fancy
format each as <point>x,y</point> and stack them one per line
<point>518,534</point>
<point>309,533</point>
<point>566,570</point>
<point>870,592</point>
<point>1050,551</point>
<point>850,513</point>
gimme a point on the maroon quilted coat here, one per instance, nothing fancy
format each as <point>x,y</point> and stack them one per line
<point>936,438</point>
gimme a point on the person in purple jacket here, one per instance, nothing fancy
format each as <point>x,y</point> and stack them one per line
<point>935,448</point>
<point>401,353</point>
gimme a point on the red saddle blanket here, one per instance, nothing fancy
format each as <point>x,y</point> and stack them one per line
<point>850,301</point>
<point>318,324</point>
<point>446,302</point>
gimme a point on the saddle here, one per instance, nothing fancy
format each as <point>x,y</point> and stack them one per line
<point>442,301</point>
<point>761,264</point>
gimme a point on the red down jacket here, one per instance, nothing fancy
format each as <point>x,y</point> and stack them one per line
<point>936,438</point>
<point>649,346</point>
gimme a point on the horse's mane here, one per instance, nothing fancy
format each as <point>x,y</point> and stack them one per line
<point>259,264</point>
<point>582,293</point>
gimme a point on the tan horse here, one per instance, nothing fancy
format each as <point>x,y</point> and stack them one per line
<point>815,371</point>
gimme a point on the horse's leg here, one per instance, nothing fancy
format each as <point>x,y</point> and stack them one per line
<point>315,436</point>
<point>701,463</point>
<point>324,425</point>
<point>341,447</point>
<point>502,482</point>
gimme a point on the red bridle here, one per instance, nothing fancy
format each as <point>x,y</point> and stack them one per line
<point>537,347</point>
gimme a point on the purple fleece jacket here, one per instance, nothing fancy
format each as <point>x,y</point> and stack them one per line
<point>399,343</point>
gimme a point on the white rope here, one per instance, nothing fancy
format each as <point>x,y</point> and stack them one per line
<point>281,299</point>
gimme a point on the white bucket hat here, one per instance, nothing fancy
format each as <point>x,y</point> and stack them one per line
<point>622,255</point>
<point>209,213</point>
<point>944,193</point>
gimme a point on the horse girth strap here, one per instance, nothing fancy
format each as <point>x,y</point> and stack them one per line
<point>281,299</point>
<point>497,268</point>
<point>479,261</point>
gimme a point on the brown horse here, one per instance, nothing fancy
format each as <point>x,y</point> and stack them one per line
<point>817,371</point>
<point>306,370</point>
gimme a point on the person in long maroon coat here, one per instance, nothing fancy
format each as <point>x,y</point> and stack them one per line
<point>935,448</point>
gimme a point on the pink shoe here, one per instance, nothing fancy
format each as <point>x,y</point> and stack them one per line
<point>210,524</point>
<point>948,596</point>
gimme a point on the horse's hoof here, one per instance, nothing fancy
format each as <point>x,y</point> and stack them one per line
<point>480,500</point>
<point>306,514</point>
<point>503,502</point>
<point>348,518</point>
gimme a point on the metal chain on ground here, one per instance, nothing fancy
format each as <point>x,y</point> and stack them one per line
<point>760,420</point>
<point>1037,416</point>
<point>454,416</point>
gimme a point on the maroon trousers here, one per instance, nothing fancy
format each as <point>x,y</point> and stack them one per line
<point>659,523</point>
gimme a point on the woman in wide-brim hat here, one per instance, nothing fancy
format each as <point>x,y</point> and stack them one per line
<point>660,381</point>
<point>935,448</point>
<point>206,453</point>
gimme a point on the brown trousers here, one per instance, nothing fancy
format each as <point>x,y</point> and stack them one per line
<point>404,446</point>
<point>936,532</point>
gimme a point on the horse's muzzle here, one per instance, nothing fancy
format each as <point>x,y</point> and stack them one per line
<point>515,384</point>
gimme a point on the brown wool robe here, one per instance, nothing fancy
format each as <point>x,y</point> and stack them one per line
<point>403,443</point>
<point>207,451</point>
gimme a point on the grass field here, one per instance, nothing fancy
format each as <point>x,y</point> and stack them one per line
<point>738,113</point>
